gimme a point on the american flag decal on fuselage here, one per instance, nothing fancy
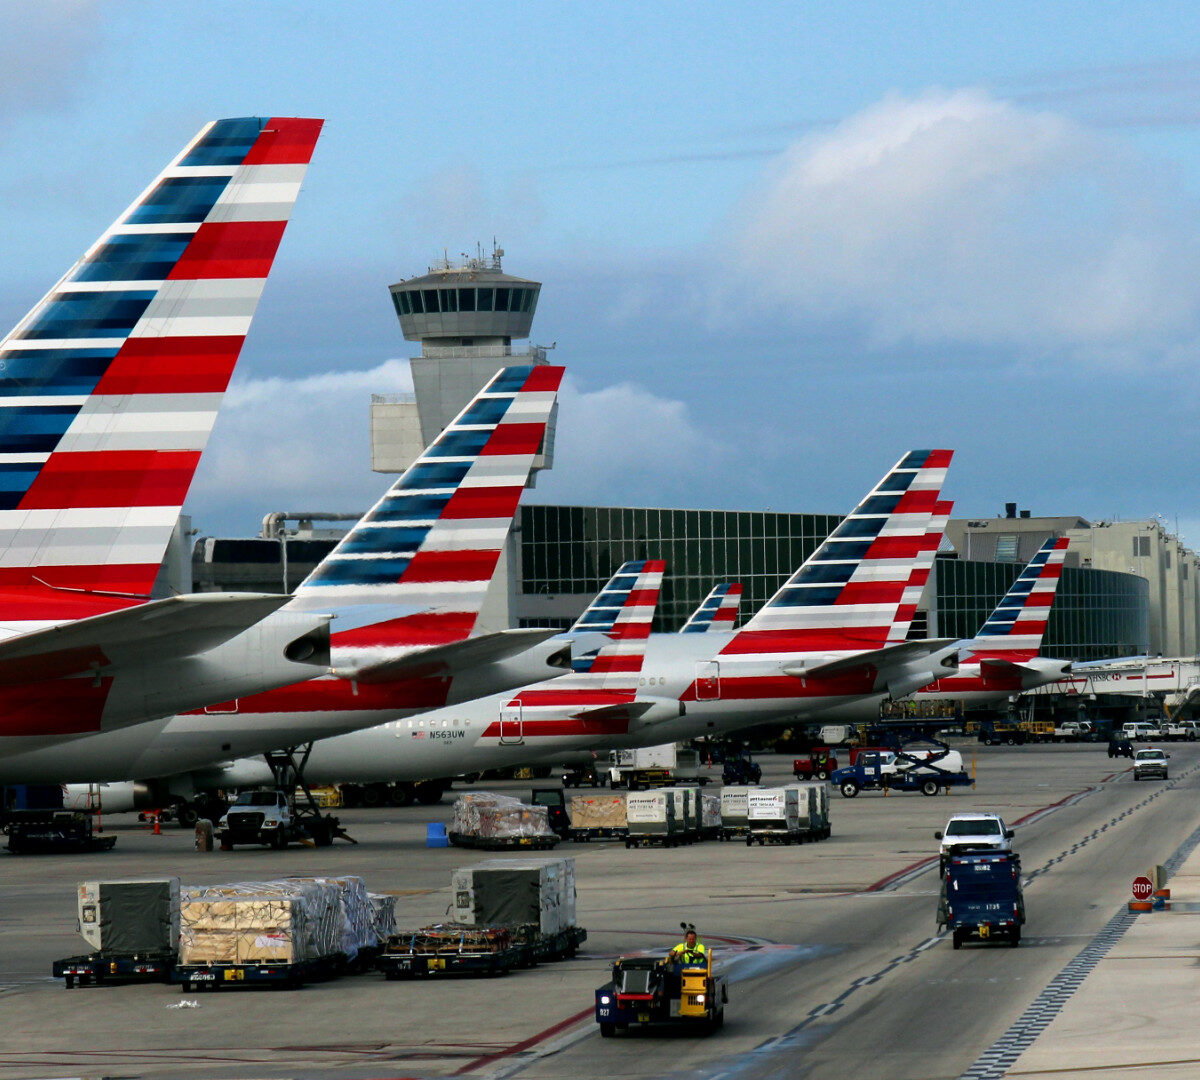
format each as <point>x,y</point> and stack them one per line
<point>718,611</point>
<point>110,386</point>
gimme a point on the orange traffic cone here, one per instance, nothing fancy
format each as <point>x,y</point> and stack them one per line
<point>157,830</point>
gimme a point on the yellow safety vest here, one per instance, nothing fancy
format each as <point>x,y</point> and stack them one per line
<point>690,954</point>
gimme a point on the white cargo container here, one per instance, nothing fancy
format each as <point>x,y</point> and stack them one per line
<point>651,818</point>
<point>735,810</point>
<point>773,814</point>
<point>949,761</point>
<point>130,915</point>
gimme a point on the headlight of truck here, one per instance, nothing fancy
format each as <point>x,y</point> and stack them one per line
<point>699,999</point>
<point>270,824</point>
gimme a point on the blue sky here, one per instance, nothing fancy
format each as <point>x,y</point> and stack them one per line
<point>779,243</point>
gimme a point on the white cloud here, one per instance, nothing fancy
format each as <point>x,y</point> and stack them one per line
<point>953,217</point>
<point>294,444</point>
<point>300,444</point>
<point>624,444</point>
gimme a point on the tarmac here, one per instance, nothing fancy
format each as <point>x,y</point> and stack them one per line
<point>1134,1015</point>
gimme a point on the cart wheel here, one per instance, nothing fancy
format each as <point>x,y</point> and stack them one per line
<point>1015,938</point>
<point>930,787</point>
<point>607,1031</point>
<point>957,940</point>
<point>719,1020</point>
<point>70,980</point>
<point>822,774</point>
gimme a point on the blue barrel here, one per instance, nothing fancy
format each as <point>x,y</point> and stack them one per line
<point>435,835</point>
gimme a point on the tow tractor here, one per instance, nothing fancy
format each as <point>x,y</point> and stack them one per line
<point>645,991</point>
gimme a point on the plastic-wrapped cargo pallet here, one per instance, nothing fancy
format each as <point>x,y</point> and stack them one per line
<point>710,815</point>
<point>488,816</point>
<point>516,892</point>
<point>130,916</point>
<point>598,812</point>
<point>358,931</point>
<point>280,922</point>
<point>383,915</point>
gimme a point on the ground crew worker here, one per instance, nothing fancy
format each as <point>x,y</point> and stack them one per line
<point>688,951</point>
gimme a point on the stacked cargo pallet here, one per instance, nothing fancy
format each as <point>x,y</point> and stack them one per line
<point>485,820</point>
<point>597,817</point>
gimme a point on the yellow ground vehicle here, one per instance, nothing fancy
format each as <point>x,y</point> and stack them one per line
<point>644,991</point>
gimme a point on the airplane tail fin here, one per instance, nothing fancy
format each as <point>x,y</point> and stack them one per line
<point>919,577</point>
<point>610,676</point>
<point>847,595</point>
<point>1015,629</point>
<point>719,611</point>
<point>109,387</point>
<point>414,571</point>
<point>628,626</point>
<point>602,612</point>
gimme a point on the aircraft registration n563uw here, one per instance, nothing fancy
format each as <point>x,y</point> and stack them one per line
<point>406,586</point>
<point>108,392</point>
<point>833,635</point>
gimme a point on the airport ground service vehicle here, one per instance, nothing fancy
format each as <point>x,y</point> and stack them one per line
<point>981,898</point>
<point>973,832</point>
<point>110,388</point>
<point>1150,763</point>
<point>644,992</point>
<point>908,769</point>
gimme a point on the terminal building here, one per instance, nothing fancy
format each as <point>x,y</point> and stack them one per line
<point>1128,588</point>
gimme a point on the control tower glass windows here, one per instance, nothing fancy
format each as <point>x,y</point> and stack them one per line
<point>403,303</point>
<point>466,299</point>
<point>485,300</point>
<point>501,299</point>
<point>449,299</point>
<point>430,296</point>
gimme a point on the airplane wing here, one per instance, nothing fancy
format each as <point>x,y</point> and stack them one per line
<point>632,710</point>
<point>451,658</point>
<point>888,656</point>
<point>150,632</point>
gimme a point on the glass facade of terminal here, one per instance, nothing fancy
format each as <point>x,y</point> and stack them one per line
<point>1097,614</point>
<point>576,549</point>
<point>573,550</point>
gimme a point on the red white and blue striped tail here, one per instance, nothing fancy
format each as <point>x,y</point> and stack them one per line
<point>847,595</point>
<point>110,386</point>
<point>1014,631</point>
<point>601,614</point>
<point>610,681</point>
<point>623,611</point>
<point>919,577</point>
<point>719,610</point>
<point>414,571</point>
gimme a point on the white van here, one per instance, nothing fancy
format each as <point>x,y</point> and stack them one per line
<point>1139,731</point>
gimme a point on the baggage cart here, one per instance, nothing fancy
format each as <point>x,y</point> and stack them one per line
<point>97,968</point>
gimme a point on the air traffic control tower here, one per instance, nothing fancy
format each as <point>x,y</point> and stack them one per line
<point>466,317</point>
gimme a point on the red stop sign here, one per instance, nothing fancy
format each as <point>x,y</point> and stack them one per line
<point>1143,888</point>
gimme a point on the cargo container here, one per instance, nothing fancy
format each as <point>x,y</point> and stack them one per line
<point>773,816</point>
<point>734,812</point>
<point>597,817</point>
<point>651,819</point>
<point>130,926</point>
